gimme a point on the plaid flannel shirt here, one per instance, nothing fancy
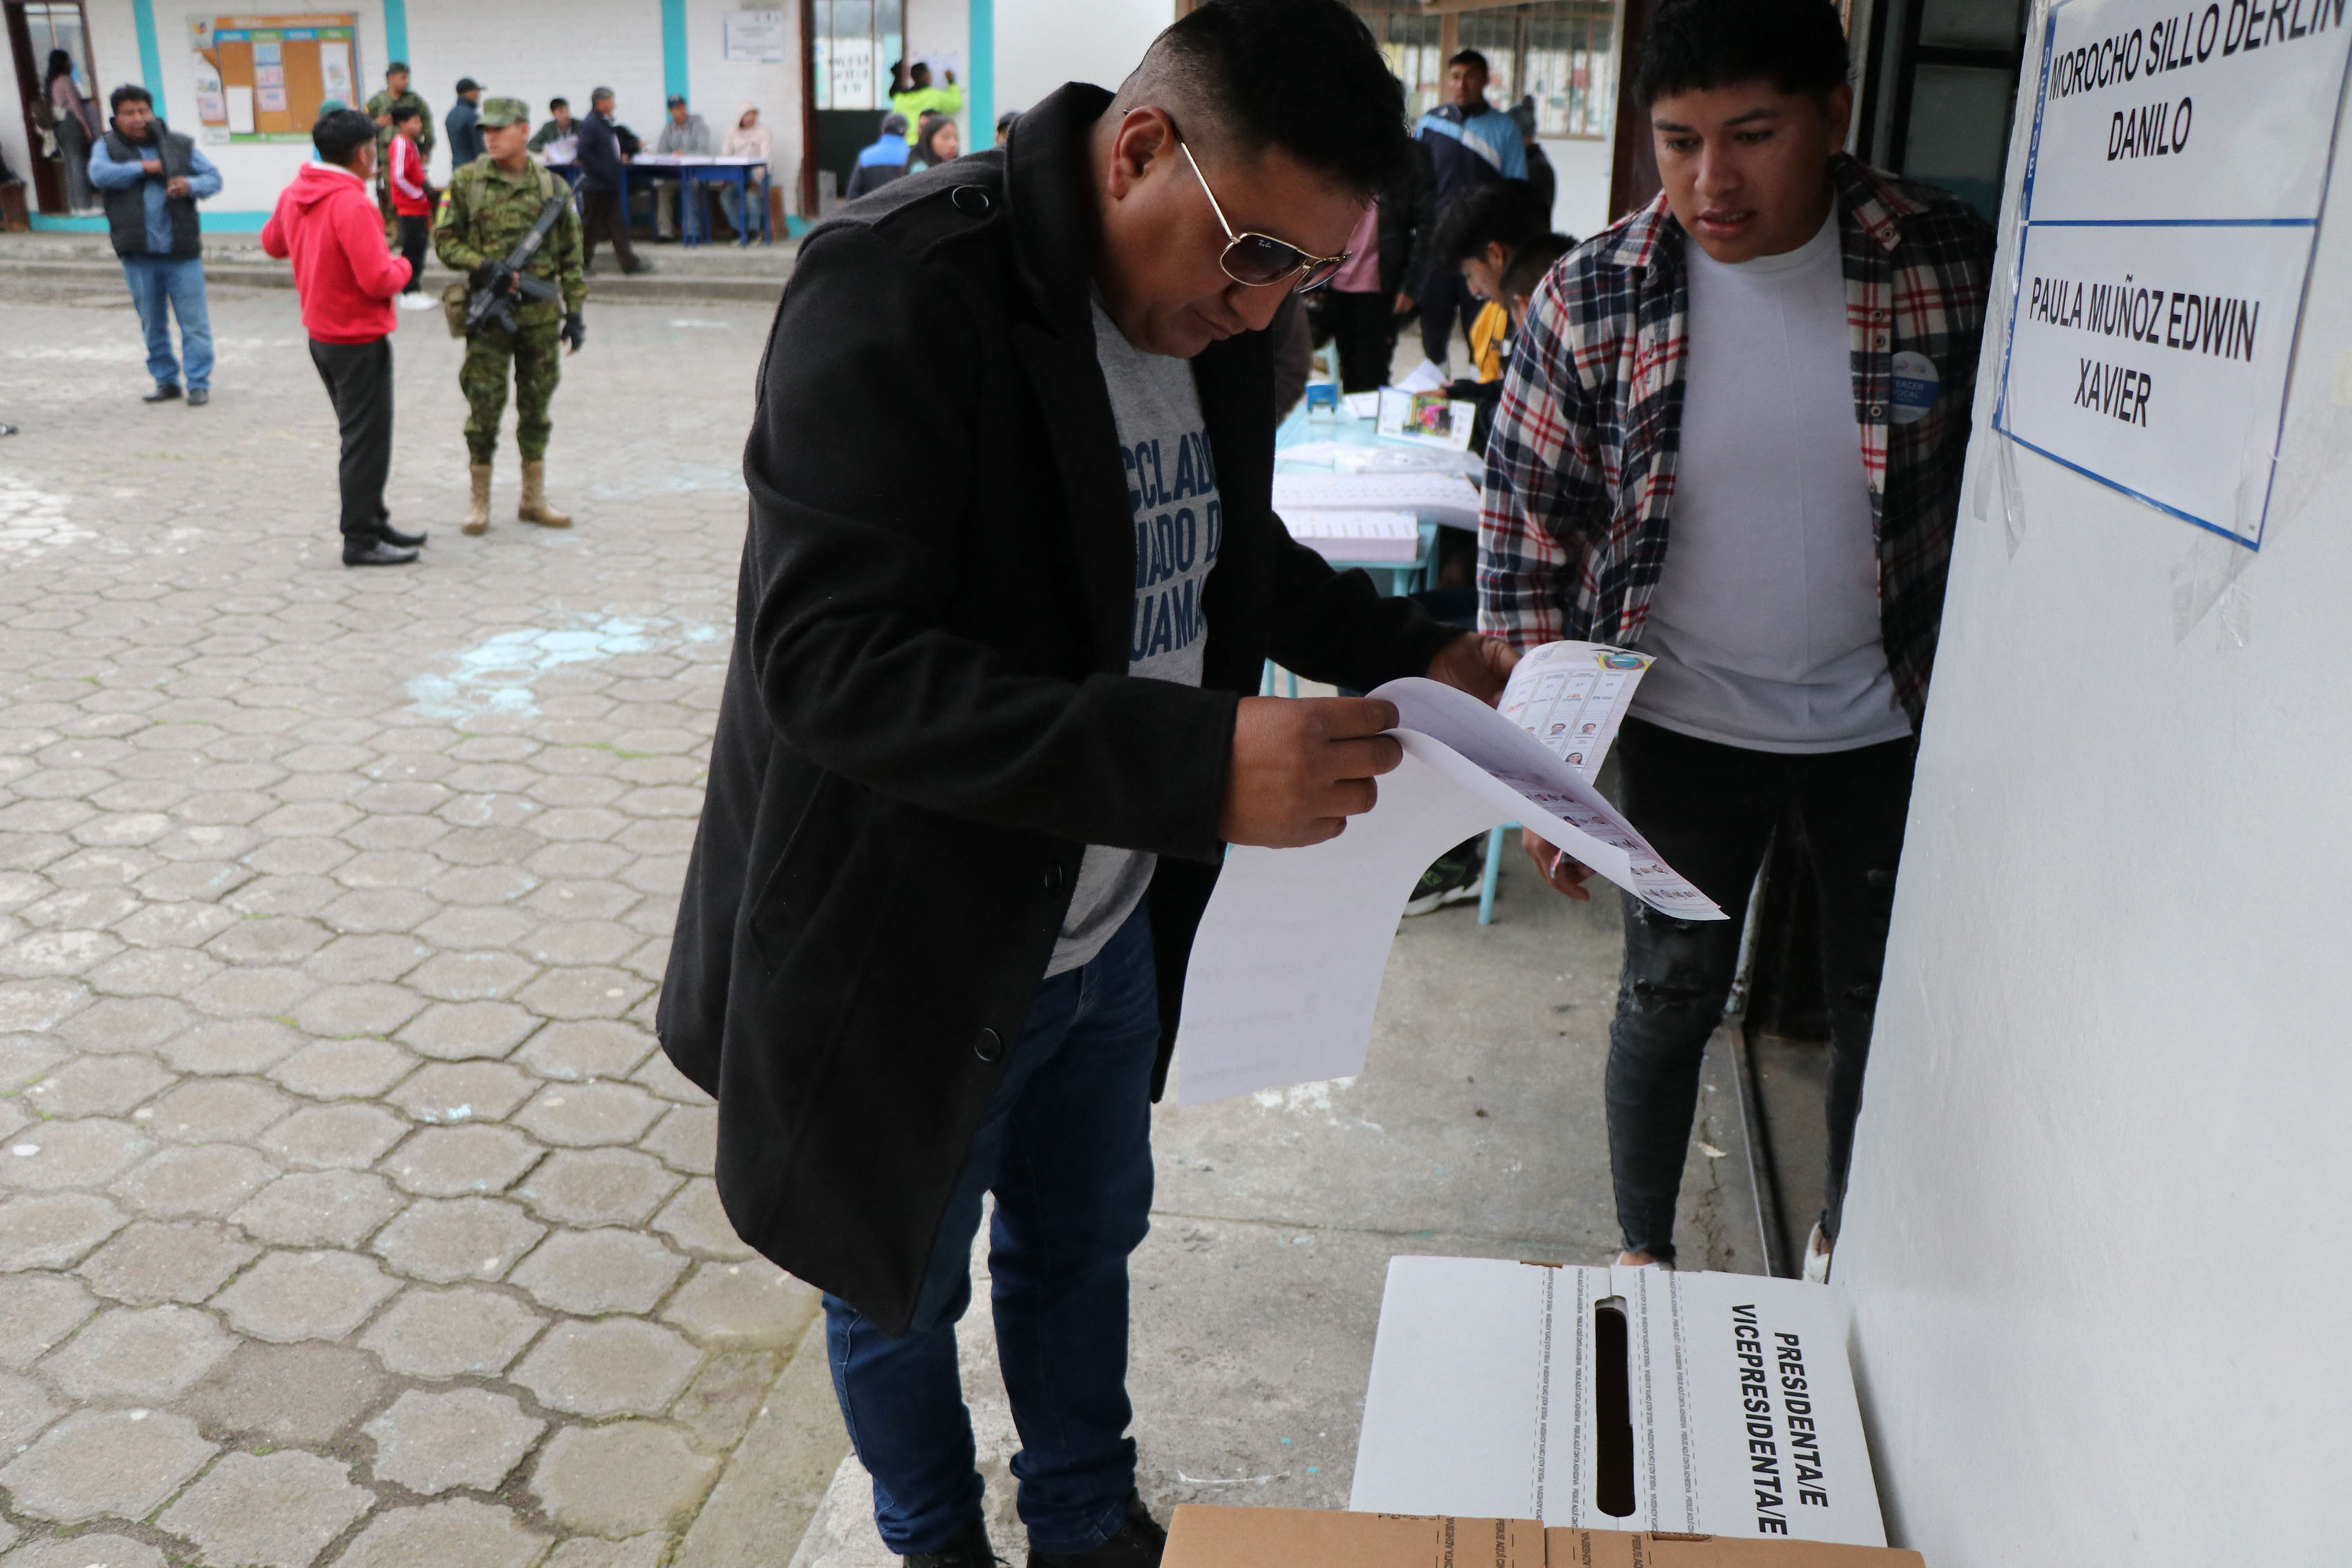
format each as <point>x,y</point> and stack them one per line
<point>1581,466</point>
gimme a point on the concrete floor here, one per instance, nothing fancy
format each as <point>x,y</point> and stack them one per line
<point>1476,1129</point>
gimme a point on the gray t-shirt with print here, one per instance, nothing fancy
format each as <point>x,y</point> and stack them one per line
<point>1171,494</point>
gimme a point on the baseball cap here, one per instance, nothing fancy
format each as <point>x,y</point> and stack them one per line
<point>501,111</point>
<point>468,84</point>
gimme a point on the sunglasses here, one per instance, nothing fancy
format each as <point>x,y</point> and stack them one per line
<point>1259,259</point>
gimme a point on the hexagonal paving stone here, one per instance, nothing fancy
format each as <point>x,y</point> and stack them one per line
<point>463,1091</point>
<point>659,1075</point>
<point>331,1137</point>
<point>455,1031</point>
<point>465,1437</point>
<point>451,1161</point>
<point>216,1111</point>
<point>81,1550</point>
<point>128,1357</point>
<point>29,1006</point>
<point>440,1534</point>
<point>36,1313</point>
<point>637,1552</point>
<point>25,1408</point>
<point>607,1271</point>
<point>305,1394</point>
<point>597,1186</point>
<point>53,1155</point>
<point>306,1295</point>
<point>100,1462</point>
<point>588,993</point>
<point>480,976</point>
<point>52,1230</point>
<point>229,1046</point>
<point>343,1069</point>
<point>620,1479</point>
<point>167,1260</point>
<point>695,1220</point>
<point>745,1306</point>
<point>615,1366</point>
<point>256,993</point>
<point>97,1086</point>
<point>273,1511</point>
<point>320,1208</point>
<point>687,1139</point>
<point>202,1180</point>
<point>445,1239</point>
<point>584,1114</point>
<point>353,960</point>
<point>592,1049</point>
<point>282,939</point>
<point>443,1333</point>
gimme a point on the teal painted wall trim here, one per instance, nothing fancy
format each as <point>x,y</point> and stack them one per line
<point>396,35</point>
<point>674,71</point>
<point>151,59</point>
<point>981,90</point>
<point>208,222</point>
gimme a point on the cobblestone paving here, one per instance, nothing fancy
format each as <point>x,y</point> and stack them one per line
<point>348,1211</point>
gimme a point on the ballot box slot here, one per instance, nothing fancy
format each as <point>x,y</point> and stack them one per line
<point>1612,1405</point>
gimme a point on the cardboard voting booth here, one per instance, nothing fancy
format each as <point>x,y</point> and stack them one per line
<point>1615,1399</point>
<point>1204,1537</point>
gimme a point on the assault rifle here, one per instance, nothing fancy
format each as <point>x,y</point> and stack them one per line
<point>491,307</point>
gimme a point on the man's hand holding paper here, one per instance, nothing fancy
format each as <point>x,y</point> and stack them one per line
<point>1302,766</point>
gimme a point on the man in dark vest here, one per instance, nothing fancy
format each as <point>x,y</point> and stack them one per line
<point>152,177</point>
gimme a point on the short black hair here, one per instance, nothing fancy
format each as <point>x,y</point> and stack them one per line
<point>1237,61</point>
<point>1531,260</point>
<point>398,67</point>
<point>1472,57</point>
<point>129,92</point>
<point>407,112</point>
<point>340,134</point>
<point>1507,212</point>
<point>1799,46</point>
<point>555,103</point>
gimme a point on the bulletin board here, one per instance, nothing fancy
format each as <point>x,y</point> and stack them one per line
<point>261,79</point>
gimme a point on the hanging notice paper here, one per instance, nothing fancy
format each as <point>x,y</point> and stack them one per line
<point>1286,971</point>
<point>2179,160</point>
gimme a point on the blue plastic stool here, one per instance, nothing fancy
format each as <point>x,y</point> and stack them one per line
<point>1494,873</point>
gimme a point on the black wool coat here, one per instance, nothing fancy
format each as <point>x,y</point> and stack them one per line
<point>927,716</point>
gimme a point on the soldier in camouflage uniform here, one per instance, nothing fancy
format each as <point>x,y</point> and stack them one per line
<point>492,203</point>
<point>379,109</point>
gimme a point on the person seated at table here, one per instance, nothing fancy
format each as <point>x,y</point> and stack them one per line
<point>1479,233</point>
<point>556,143</point>
<point>938,141</point>
<point>749,140</point>
<point>1529,265</point>
<point>883,162</point>
<point>683,135</point>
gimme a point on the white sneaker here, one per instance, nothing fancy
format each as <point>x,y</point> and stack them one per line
<point>1817,1257</point>
<point>418,302</point>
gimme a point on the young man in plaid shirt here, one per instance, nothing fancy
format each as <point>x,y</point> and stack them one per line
<point>1776,358</point>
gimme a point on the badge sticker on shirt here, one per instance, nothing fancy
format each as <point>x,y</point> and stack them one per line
<point>1917,386</point>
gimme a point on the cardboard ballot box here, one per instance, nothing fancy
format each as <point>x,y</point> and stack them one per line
<point>1615,1399</point>
<point>1201,1537</point>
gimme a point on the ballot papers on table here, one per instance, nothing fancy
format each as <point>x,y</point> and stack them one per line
<point>1442,498</point>
<point>1286,970</point>
<point>1615,1399</point>
<point>1352,536</point>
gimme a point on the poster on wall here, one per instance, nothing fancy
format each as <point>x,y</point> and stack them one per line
<point>755,34</point>
<point>261,79</point>
<point>2179,161</point>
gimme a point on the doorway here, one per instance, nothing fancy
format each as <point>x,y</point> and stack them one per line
<point>1939,93</point>
<point>38,32</point>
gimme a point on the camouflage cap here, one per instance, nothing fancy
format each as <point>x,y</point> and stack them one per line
<point>501,111</point>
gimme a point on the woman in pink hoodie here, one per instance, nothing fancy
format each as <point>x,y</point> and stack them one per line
<point>327,222</point>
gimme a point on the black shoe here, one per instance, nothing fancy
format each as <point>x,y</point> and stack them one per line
<point>198,397</point>
<point>640,268</point>
<point>397,539</point>
<point>376,553</point>
<point>1138,1544</point>
<point>164,391</point>
<point>1453,878</point>
<point>969,1550</point>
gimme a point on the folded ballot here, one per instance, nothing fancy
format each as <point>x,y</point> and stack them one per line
<point>1286,971</point>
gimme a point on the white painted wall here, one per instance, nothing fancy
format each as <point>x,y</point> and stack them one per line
<point>1040,43</point>
<point>717,87</point>
<point>2100,1235</point>
<point>944,27</point>
<point>539,51</point>
<point>12,145</point>
<point>1580,206</point>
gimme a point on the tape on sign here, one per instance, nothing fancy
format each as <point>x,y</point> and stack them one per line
<point>1917,387</point>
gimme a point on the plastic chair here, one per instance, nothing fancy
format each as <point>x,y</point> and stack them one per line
<point>1494,873</point>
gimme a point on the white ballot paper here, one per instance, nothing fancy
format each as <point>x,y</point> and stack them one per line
<point>1286,970</point>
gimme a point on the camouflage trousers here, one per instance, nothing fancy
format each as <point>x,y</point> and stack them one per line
<point>537,354</point>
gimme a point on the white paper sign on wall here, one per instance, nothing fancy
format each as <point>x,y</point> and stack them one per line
<point>753,34</point>
<point>2179,158</point>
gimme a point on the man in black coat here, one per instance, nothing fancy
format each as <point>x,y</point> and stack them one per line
<point>604,181</point>
<point>1011,575</point>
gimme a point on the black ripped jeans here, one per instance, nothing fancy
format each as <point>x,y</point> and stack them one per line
<point>1709,810</point>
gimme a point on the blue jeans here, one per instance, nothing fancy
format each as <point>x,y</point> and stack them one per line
<point>1065,1145</point>
<point>179,280</point>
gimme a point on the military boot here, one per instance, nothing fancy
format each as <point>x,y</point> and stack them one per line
<point>478,512</point>
<point>534,506</point>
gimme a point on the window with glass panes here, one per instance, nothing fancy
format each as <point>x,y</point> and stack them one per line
<point>854,43</point>
<point>1560,51</point>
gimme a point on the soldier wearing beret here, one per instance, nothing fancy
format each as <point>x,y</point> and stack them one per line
<point>492,203</point>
